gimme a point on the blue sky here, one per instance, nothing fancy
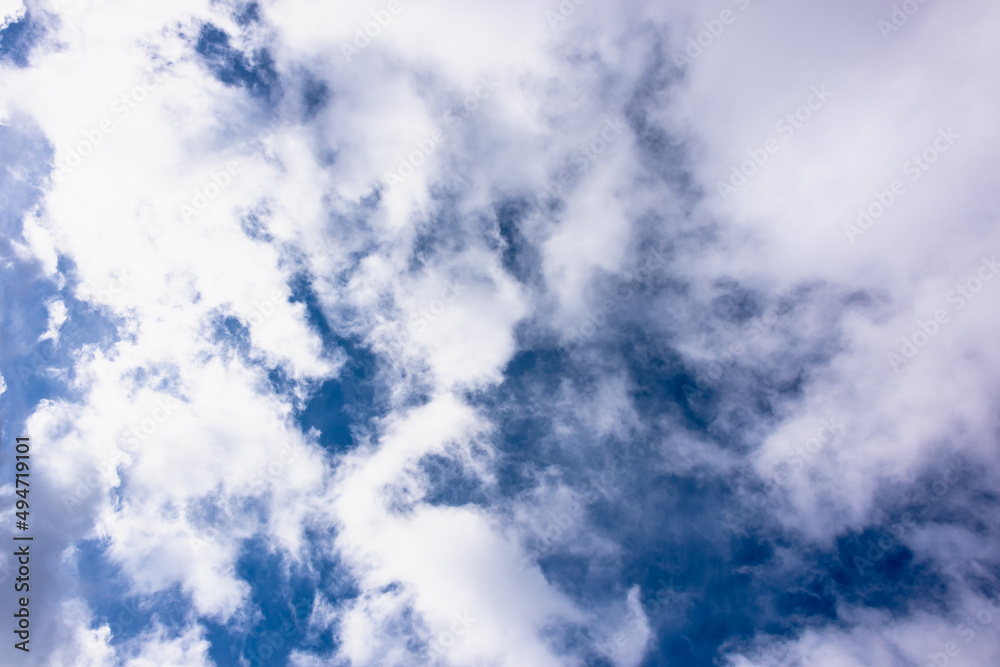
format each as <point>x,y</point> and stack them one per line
<point>589,334</point>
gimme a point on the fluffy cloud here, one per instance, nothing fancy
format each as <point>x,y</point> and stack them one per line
<point>460,330</point>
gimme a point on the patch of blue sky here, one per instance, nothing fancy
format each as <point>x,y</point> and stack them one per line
<point>254,72</point>
<point>18,38</point>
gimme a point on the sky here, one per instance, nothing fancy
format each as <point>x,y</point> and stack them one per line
<point>533,334</point>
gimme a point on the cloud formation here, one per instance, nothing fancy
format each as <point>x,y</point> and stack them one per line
<point>441,333</point>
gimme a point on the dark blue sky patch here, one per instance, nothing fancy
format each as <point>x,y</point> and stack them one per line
<point>371,201</point>
<point>356,397</point>
<point>25,159</point>
<point>107,592</point>
<point>674,651</point>
<point>785,386</point>
<point>348,403</point>
<point>315,96</point>
<point>231,334</point>
<point>520,258</point>
<point>875,567</point>
<point>581,577</point>
<point>750,550</point>
<point>302,292</point>
<point>450,483</point>
<point>281,383</point>
<point>878,576</point>
<point>671,528</point>
<point>284,596</point>
<point>522,430</point>
<point>248,13</point>
<point>443,235</point>
<point>674,531</point>
<point>254,226</point>
<point>23,363</point>
<point>661,153</point>
<point>327,412</point>
<point>333,578</point>
<point>30,366</point>
<point>664,384</point>
<point>808,604</point>
<point>255,73</point>
<point>17,40</point>
<point>717,616</point>
<point>734,303</point>
<point>566,638</point>
<point>283,600</point>
<point>706,581</point>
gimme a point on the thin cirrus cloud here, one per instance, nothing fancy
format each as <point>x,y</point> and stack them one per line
<point>435,333</point>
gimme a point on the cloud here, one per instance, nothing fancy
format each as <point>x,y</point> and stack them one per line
<point>424,333</point>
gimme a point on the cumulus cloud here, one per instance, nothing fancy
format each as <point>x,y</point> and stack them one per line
<point>447,333</point>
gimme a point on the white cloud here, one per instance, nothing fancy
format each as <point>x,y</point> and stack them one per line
<point>874,638</point>
<point>798,203</point>
<point>156,648</point>
<point>448,561</point>
<point>11,10</point>
<point>421,282</point>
